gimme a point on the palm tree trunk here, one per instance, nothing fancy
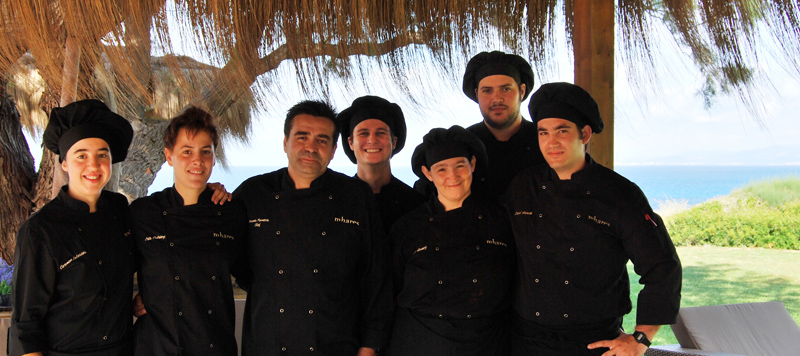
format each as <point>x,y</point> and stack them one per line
<point>17,179</point>
<point>69,91</point>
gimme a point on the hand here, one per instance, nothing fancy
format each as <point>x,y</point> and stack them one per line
<point>220,194</point>
<point>366,351</point>
<point>138,306</point>
<point>623,345</point>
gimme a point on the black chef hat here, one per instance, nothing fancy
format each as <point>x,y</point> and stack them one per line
<point>440,144</point>
<point>372,107</point>
<point>485,64</point>
<point>565,101</point>
<point>85,119</point>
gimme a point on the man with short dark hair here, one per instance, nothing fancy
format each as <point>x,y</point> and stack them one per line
<point>317,250</point>
<point>576,224</point>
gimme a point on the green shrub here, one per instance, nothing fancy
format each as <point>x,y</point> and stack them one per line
<point>5,288</point>
<point>765,214</point>
<point>775,192</point>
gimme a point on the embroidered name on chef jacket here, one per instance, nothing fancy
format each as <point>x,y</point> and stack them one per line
<point>257,222</point>
<point>151,238</point>
<point>71,259</point>
<point>223,236</point>
<point>423,248</point>
<point>523,213</point>
<point>346,221</point>
<point>601,222</point>
<point>495,242</point>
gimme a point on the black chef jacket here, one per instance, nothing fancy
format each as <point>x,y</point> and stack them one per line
<point>319,256</point>
<point>574,239</point>
<point>395,200</point>
<point>454,270</point>
<point>186,254</point>
<point>506,158</point>
<point>73,279</point>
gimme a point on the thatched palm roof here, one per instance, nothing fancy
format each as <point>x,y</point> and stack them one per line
<point>251,37</point>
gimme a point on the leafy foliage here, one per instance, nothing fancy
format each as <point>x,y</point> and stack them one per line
<point>6,272</point>
<point>764,214</point>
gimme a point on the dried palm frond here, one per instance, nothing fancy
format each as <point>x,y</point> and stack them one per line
<point>336,38</point>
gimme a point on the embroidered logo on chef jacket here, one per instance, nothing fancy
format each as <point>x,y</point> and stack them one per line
<point>346,221</point>
<point>257,222</point>
<point>70,260</point>
<point>601,222</point>
<point>495,242</point>
<point>223,236</point>
<point>151,238</point>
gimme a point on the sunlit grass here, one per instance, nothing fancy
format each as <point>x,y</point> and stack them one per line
<point>725,275</point>
<point>670,206</point>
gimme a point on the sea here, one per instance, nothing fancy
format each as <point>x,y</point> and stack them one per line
<point>664,186</point>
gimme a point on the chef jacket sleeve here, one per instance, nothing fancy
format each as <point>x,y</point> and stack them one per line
<point>655,260</point>
<point>241,270</point>
<point>34,281</point>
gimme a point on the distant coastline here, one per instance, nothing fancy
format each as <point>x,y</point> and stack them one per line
<point>663,184</point>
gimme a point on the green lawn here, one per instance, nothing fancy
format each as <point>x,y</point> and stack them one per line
<point>727,275</point>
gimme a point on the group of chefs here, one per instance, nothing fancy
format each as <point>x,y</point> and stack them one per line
<point>512,242</point>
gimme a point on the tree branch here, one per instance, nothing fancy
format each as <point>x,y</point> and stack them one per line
<point>223,92</point>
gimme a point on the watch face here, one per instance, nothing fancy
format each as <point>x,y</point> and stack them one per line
<point>641,338</point>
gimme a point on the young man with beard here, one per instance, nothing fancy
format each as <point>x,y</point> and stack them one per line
<point>576,224</point>
<point>317,250</point>
<point>499,83</point>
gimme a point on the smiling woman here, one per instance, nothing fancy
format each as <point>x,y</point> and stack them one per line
<point>190,308</point>
<point>76,250</point>
<point>189,145</point>
<point>454,258</point>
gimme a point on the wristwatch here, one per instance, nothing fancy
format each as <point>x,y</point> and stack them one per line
<point>641,338</point>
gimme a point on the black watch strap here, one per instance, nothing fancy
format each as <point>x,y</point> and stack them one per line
<point>641,338</point>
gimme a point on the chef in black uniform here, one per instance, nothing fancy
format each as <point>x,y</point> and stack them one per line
<point>577,224</point>
<point>453,258</point>
<point>374,130</point>
<point>321,283</point>
<point>187,248</point>
<point>499,82</point>
<point>72,283</point>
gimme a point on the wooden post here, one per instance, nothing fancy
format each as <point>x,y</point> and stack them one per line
<point>69,92</point>
<point>593,46</point>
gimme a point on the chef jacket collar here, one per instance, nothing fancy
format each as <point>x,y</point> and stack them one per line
<point>78,205</point>
<point>590,166</point>
<point>288,183</point>
<point>436,206</point>
<point>174,199</point>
